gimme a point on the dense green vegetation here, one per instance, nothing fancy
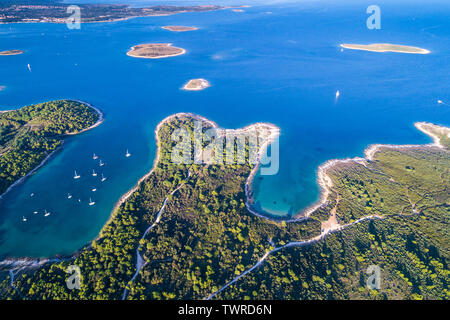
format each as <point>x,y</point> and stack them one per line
<point>31,133</point>
<point>206,236</point>
<point>411,187</point>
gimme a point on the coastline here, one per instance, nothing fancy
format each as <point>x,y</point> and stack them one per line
<point>22,179</point>
<point>323,180</point>
<point>367,47</point>
<point>130,53</point>
<point>100,119</point>
<point>179,28</point>
<point>121,19</point>
<point>11,52</point>
<point>204,85</point>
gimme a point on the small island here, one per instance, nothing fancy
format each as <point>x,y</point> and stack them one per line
<point>155,51</point>
<point>385,47</point>
<point>30,135</point>
<point>179,28</point>
<point>10,52</point>
<point>196,84</point>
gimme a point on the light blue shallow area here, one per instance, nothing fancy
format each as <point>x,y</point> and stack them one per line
<point>278,63</point>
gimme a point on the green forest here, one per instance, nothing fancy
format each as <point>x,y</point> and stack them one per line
<point>206,236</point>
<point>28,135</point>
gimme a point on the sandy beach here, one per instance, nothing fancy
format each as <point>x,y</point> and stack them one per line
<point>325,182</point>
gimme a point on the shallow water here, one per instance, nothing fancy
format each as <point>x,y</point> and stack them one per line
<point>280,64</point>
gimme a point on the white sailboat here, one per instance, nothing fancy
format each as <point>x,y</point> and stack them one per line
<point>46,214</point>
<point>91,203</point>
<point>69,196</point>
<point>94,174</point>
<point>35,212</point>
<point>101,164</point>
<point>127,154</point>
<point>95,157</point>
<point>94,189</point>
<point>103,177</point>
<point>24,219</point>
<point>76,176</point>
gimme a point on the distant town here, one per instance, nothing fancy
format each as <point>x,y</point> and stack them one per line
<point>58,13</point>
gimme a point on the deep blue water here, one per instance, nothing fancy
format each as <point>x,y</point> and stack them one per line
<point>277,63</point>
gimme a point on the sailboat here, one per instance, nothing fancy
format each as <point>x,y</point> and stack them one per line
<point>76,176</point>
<point>69,196</point>
<point>94,189</point>
<point>46,214</point>
<point>103,178</point>
<point>127,154</point>
<point>24,219</point>
<point>101,164</point>
<point>35,212</point>
<point>91,203</point>
<point>94,174</point>
<point>95,157</point>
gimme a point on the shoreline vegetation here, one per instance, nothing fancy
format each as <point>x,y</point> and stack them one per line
<point>385,47</point>
<point>179,28</point>
<point>57,12</point>
<point>11,52</point>
<point>155,51</point>
<point>437,133</point>
<point>196,85</point>
<point>31,135</point>
<point>210,222</point>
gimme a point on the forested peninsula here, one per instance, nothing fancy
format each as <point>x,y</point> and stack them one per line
<point>29,135</point>
<point>186,232</point>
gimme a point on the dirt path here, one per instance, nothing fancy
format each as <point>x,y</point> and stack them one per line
<point>325,232</point>
<point>140,262</point>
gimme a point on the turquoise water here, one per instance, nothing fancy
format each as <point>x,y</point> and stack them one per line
<point>277,63</point>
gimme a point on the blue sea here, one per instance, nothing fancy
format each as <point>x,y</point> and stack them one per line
<point>275,62</point>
